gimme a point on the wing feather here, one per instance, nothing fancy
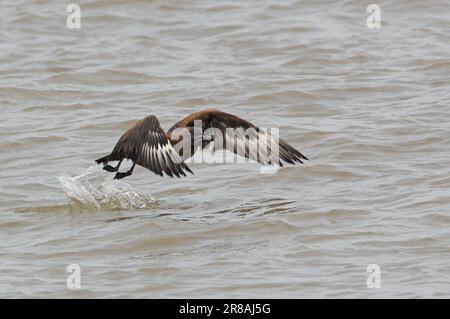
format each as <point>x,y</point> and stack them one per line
<point>259,145</point>
<point>147,145</point>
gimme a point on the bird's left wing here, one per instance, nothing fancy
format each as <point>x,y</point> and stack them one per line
<point>238,136</point>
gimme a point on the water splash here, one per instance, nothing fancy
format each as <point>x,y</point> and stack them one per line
<point>92,189</point>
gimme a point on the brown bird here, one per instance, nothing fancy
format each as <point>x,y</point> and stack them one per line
<point>146,144</point>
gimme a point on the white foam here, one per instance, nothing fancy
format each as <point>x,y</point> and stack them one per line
<point>92,189</point>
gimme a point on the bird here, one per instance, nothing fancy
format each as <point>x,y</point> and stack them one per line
<point>147,144</point>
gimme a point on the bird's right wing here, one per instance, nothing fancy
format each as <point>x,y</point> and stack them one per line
<point>146,144</point>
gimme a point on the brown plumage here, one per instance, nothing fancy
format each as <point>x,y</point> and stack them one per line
<point>146,144</point>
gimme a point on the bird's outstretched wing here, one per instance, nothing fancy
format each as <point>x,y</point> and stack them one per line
<point>147,145</point>
<point>236,135</point>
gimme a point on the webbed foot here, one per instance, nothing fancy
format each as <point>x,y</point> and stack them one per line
<point>121,175</point>
<point>110,168</point>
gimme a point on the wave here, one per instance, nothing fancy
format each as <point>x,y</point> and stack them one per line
<point>89,190</point>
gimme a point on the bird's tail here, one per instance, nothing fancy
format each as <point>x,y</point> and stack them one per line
<point>104,159</point>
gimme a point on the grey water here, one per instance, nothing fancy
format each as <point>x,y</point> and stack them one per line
<point>368,106</point>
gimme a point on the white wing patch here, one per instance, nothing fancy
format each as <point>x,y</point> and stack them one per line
<point>162,158</point>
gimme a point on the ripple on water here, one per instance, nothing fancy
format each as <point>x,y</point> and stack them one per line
<point>368,107</point>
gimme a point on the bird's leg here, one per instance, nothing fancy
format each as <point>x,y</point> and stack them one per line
<point>111,169</point>
<point>120,175</point>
